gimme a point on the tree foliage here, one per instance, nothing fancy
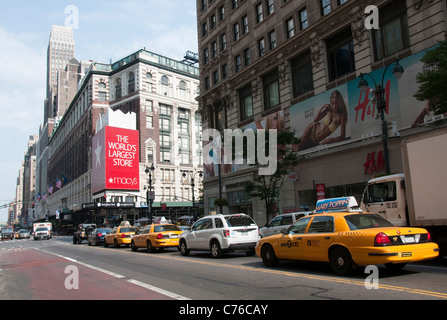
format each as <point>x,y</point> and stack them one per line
<point>267,188</point>
<point>433,79</point>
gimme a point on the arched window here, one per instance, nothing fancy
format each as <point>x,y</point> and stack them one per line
<point>182,85</point>
<point>118,88</point>
<point>131,83</point>
<point>164,81</point>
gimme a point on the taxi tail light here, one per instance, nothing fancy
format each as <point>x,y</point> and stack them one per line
<point>159,236</point>
<point>226,233</point>
<point>123,235</point>
<point>381,240</point>
<point>99,234</point>
<point>428,237</point>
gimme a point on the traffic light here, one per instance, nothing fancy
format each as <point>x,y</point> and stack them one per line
<point>32,205</point>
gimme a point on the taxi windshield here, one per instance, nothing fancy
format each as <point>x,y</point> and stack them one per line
<point>366,221</point>
<point>123,230</point>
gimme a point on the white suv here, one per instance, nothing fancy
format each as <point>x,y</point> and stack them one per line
<point>220,233</point>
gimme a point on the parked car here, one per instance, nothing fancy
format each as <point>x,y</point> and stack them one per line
<point>42,233</point>
<point>346,239</point>
<point>23,234</point>
<point>282,221</point>
<point>119,236</point>
<point>220,233</point>
<point>83,232</point>
<point>97,236</point>
<point>157,236</point>
<point>7,233</point>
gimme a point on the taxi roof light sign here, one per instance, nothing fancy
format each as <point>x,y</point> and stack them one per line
<point>337,204</point>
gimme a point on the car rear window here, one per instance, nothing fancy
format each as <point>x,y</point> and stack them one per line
<point>366,221</point>
<point>239,221</point>
<point>123,230</point>
<point>166,228</point>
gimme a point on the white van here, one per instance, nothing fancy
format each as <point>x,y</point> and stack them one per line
<point>282,221</point>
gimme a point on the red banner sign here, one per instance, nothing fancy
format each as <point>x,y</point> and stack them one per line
<point>115,164</point>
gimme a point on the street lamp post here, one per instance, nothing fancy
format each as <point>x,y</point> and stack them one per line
<point>381,104</point>
<point>149,193</point>
<point>193,186</point>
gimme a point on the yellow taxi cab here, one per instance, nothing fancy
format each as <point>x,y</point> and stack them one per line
<point>347,238</point>
<point>157,236</point>
<point>121,235</point>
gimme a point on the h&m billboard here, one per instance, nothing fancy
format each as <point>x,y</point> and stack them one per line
<point>115,160</point>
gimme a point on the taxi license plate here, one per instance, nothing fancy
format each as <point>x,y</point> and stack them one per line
<point>409,239</point>
<point>174,236</point>
<point>406,254</point>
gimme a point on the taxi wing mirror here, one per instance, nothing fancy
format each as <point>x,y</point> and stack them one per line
<point>285,231</point>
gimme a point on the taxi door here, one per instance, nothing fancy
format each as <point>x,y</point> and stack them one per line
<point>290,245</point>
<point>318,238</point>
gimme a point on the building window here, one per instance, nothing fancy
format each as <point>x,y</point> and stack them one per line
<point>224,71</point>
<point>340,55</point>
<point>302,80</point>
<point>205,56</point>
<point>271,89</point>
<point>245,24</point>
<point>392,35</point>
<point>238,63</point>
<point>214,48</point>
<point>131,83</point>
<point>246,57</point>
<point>217,117</point>
<point>246,102</point>
<point>325,7</point>
<point>102,96</point>
<point>212,21</point>
<point>236,32</point>
<point>272,40</point>
<point>215,77</point>
<point>149,122</point>
<point>270,8</point>
<point>290,28</point>
<point>204,29</point>
<point>221,13</point>
<point>304,23</point>
<point>223,42</point>
<point>261,47</point>
<point>259,14</point>
<point>118,88</point>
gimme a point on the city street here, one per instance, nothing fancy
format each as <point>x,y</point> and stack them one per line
<point>57,269</point>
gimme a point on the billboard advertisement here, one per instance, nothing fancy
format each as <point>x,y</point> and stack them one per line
<point>346,113</point>
<point>115,160</point>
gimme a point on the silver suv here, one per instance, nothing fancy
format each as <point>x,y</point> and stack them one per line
<point>220,233</point>
<point>282,221</point>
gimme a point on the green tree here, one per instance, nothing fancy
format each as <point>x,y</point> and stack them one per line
<point>267,188</point>
<point>432,80</point>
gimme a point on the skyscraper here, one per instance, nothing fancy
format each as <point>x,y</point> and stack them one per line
<point>61,49</point>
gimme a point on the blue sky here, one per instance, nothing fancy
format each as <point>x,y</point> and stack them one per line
<point>107,30</point>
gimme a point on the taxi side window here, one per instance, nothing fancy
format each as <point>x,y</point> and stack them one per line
<point>322,224</point>
<point>299,226</point>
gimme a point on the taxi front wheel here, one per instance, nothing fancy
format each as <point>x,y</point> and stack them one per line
<point>268,256</point>
<point>341,261</point>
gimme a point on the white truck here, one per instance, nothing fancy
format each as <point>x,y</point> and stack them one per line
<point>47,225</point>
<point>417,197</point>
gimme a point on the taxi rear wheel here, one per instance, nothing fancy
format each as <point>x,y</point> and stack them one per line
<point>341,261</point>
<point>133,247</point>
<point>268,256</point>
<point>150,247</point>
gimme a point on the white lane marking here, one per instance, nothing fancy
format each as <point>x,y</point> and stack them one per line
<point>116,275</point>
<point>164,292</point>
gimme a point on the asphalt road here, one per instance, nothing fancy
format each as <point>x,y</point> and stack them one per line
<point>58,270</point>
